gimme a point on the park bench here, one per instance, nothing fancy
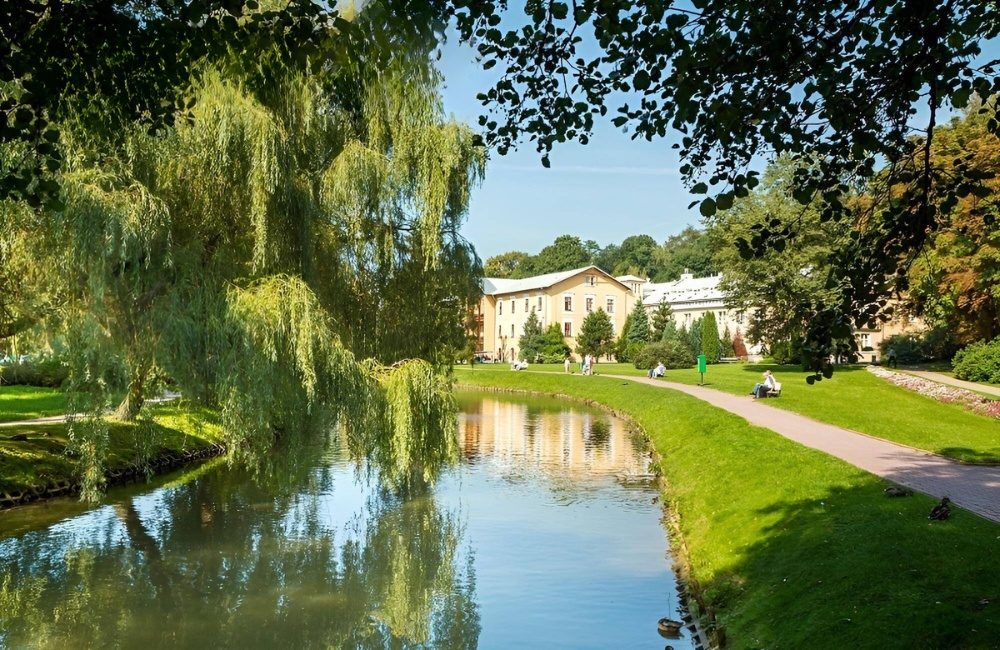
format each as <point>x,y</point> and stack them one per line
<point>776,391</point>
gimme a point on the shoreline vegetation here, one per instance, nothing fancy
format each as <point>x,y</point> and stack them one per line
<point>38,461</point>
<point>788,547</point>
<point>853,399</point>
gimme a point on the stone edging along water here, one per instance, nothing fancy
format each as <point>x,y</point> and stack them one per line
<point>159,464</point>
<point>700,619</point>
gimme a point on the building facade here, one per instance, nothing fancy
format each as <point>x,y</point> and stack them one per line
<point>564,298</point>
<point>691,298</point>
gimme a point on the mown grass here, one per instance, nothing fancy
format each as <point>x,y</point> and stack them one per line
<point>29,402</point>
<point>856,400</point>
<point>792,548</point>
<point>43,457</point>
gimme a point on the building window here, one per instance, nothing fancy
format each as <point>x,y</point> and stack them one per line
<point>610,306</point>
<point>568,328</point>
<point>567,303</point>
<point>592,280</point>
<point>512,330</point>
<point>499,330</point>
<point>588,304</point>
<point>539,303</point>
<point>500,305</point>
<point>512,306</point>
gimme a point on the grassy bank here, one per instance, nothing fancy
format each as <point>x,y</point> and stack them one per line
<point>857,400</point>
<point>43,459</point>
<point>29,402</point>
<point>792,548</point>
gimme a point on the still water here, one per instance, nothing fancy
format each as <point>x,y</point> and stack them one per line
<point>544,535</point>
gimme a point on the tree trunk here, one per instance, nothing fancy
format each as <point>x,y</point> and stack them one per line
<point>134,398</point>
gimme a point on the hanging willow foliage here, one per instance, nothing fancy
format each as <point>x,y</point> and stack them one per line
<point>275,253</point>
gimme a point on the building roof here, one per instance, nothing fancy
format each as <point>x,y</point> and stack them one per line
<point>624,279</point>
<point>495,286</point>
<point>687,289</point>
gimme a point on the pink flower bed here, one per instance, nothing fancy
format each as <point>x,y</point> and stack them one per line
<point>940,392</point>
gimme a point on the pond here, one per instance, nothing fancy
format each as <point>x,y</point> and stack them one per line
<point>546,534</point>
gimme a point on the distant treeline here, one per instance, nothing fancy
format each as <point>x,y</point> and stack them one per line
<point>638,255</point>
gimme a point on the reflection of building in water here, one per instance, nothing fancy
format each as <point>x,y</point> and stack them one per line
<point>585,440</point>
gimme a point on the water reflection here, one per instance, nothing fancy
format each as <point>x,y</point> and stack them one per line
<point>564,442</point>
<point>546,536</point>
<point>222,562</point>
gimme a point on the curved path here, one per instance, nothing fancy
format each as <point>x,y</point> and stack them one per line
<point>942,378</point>
<point>973,487</point>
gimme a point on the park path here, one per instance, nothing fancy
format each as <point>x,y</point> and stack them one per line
<point>167,396</point>
<point>942,378</point>
<point>973,487</point>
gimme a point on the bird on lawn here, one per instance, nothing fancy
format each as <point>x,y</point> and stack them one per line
<point>898,491</point>
<point>941,511</point>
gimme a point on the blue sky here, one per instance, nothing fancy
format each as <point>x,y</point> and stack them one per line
<point>607,190</point>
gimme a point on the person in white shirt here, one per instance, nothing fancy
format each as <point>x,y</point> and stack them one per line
<point>762,389</point>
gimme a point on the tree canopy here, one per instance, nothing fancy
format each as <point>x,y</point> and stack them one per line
<point>777,289</point>
<point>955,283</point>
<point>283,244</point>
<point>637,255</point>
<point>851,93</point>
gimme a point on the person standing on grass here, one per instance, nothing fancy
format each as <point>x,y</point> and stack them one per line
<point>566,365</point>
<point>892,357</point>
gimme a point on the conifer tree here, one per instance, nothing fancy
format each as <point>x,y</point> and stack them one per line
<point>531,341</point>
<point>638,329</point>
<point>662,315</point>
<point>726,343</point>
<point>710,338</point>
<point>597,334</point>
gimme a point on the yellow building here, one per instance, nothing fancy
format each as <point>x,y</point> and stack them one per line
<point>564,298</point>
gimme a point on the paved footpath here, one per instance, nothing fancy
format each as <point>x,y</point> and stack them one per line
<point>951,381</point>
<point>973,487</point>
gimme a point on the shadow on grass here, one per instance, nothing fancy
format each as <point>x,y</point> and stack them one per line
<point>853,568</point>
<point>794,367</point>
<point>972,456</point>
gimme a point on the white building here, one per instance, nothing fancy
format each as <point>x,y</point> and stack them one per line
<point>691,298</point>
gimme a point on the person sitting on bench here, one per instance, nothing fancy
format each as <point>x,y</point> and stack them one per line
<point>762,389</point>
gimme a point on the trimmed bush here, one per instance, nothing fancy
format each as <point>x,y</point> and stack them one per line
<point>979,362</point>
<point>673,354</point>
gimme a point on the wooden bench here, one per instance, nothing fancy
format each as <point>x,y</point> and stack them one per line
<point>776,391</point>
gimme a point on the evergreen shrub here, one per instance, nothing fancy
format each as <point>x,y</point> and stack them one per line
<point>673,354</point>
<point>979,362</point>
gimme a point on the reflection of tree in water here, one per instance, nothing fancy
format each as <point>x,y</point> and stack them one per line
<point>599,433</point>
<point>256,570</point>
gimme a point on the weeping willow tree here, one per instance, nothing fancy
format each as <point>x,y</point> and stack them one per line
<point>287,251</point>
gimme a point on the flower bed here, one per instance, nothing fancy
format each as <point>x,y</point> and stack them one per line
<point>940,392</point>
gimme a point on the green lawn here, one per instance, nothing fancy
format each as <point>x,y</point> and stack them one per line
<point>42,458</point>
<point>792,548</point>
<point>857,400</point>
<point>28,402</point>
